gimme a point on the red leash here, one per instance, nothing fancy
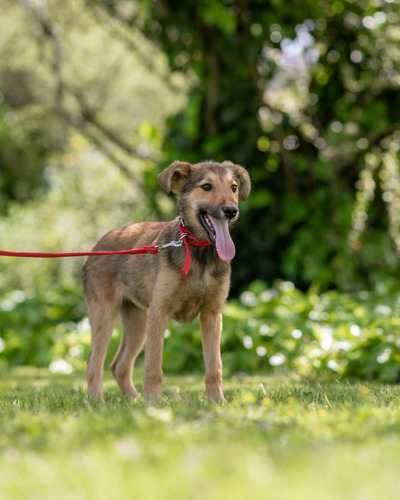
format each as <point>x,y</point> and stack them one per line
<point>52,255</point>
<point>186,239</point>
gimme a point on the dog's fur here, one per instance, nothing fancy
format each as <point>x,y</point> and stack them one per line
<point>148,290</point>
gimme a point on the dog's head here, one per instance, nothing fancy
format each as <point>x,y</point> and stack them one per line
<point>208,195</point>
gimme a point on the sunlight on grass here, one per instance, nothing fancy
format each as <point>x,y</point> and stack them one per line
<point>275,438</point>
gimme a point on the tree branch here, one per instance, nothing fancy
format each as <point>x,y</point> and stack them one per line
<point>86,117</point>
<point>89,115</point>
<point>81,124</point>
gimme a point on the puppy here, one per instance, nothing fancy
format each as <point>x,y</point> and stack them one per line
<point>190,276</point>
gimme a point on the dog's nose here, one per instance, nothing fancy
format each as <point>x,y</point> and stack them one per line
<point>230,212</point>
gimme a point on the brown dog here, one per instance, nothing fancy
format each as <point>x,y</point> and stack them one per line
<point>148,290</point>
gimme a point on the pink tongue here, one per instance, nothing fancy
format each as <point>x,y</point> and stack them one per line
<point>223,241</point>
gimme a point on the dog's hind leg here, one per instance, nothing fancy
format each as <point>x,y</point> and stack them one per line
<point>103,319</point>
<point>132,342</point>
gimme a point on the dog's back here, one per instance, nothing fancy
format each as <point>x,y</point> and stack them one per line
<point>115,278</point>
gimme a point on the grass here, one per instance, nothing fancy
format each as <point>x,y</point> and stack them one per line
<point>275,438</point>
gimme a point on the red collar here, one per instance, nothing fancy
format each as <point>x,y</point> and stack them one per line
<point>189,239</point>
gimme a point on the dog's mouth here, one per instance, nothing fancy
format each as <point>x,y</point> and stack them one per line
<point>218,233</point>
<point>206,222</point>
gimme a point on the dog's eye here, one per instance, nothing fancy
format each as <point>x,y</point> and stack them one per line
<point>206,187</point>
<point>234,187</point>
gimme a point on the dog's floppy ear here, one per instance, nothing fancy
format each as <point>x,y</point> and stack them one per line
<point>242,177</point>
<point>174,177</point>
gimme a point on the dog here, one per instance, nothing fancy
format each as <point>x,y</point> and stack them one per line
<point>146,291</point>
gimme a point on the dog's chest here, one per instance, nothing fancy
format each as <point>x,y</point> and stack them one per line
<point>186,312</point>
<point>188,301</point>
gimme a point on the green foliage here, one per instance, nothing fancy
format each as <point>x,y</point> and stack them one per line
<point>56,79</point>
<point>283,330</point>
<point>279,436</point>
<point>277,330</point>
<point>29,129</point>
<point>35,328</point>
<point>302,97</point>
<point>69,216</point>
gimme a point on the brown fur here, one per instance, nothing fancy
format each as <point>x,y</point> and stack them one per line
<point>146,291</point>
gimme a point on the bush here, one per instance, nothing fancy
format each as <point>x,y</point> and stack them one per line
<point>282,328</point>
<point>268,330</point>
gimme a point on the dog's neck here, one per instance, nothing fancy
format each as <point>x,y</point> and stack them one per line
<point>189,239</point>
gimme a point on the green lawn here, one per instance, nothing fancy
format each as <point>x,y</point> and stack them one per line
<point>275,438</point>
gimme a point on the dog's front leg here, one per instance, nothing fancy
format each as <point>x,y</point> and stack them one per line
<point>156,324</point>
<point>211,328</point>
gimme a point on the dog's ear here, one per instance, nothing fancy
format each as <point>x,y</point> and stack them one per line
<point>174,177</point>
<point>242,177</point>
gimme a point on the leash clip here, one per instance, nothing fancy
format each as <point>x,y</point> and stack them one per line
<point>174,244</point>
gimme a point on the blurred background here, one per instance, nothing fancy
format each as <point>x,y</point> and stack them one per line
<point>98,96</point>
